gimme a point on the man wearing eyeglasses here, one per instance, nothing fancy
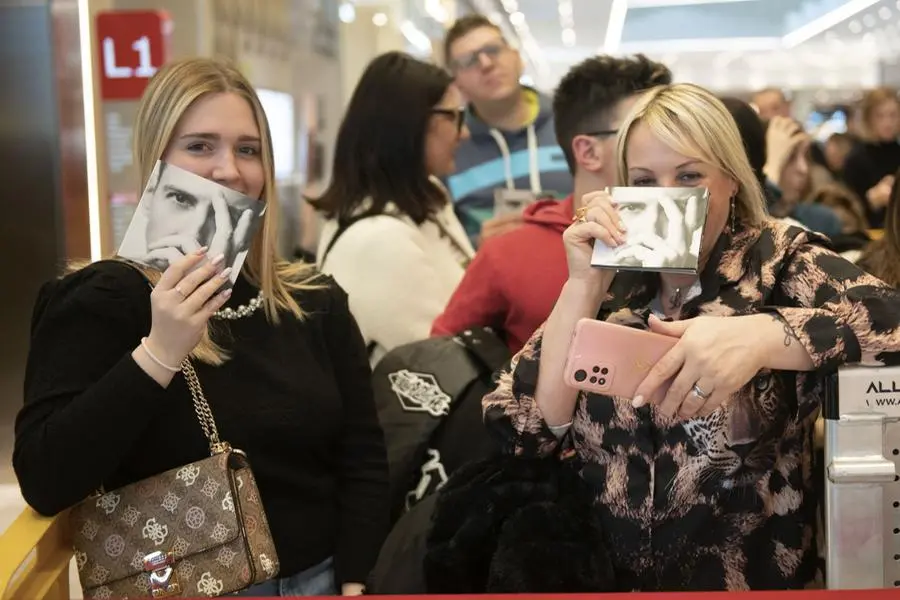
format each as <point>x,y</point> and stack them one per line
<point>512,157</point>
<point>514,280</point>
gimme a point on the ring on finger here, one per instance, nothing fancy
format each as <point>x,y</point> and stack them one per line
<point>580,215</point>
<point>698,391</point>
<point>691,405</point>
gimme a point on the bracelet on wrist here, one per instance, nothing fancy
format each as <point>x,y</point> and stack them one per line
<point>155,359</point>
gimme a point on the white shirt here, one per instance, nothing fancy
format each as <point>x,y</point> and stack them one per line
<point>399,276</point>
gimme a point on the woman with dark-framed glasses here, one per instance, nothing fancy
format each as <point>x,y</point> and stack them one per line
<point>391,237</point>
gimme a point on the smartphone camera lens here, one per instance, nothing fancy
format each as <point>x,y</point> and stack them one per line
<point>604,371</point>
<point>602,381</point>
<point>596,369</point>
<point>593,380</point>
<point>580,375</point>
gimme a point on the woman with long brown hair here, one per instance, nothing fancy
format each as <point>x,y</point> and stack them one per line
<point>881,258</point>
<point>869,170</point>
<point>279,358</point>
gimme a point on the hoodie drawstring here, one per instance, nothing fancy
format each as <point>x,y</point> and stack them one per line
<point>533,165</point>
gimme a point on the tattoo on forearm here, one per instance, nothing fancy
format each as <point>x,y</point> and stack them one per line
<point>788,332</point>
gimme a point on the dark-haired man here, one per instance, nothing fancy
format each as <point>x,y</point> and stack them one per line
<point>512,156</point>
<point>514,280</point>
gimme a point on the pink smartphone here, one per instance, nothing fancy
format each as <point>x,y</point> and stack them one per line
<point>614,359</point>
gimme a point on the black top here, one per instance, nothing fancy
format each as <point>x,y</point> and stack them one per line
<point>868,164</point>
<point>296,397</point>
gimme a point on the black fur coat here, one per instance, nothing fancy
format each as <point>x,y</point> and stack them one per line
<point>501,525</point>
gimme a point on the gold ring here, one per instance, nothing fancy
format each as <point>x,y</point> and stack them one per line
<point>580,215</point>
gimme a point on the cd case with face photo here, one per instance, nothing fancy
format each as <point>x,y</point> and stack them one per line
<point>664,229</point>
<point>180,212</point>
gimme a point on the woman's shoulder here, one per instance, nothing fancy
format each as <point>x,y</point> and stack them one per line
<point>784,236</point>
<point>313,290</point>
<point>373,235</point>
<point>106,279</point>
<point>105,287</point>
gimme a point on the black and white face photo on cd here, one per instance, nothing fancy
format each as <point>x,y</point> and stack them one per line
<point>662,234</point>
<point>180,212</point>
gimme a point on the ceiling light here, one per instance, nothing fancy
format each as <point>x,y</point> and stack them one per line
<point>614,26</point>
<point>436,10</point>
<point>566,22</point>
<point>379,19</point>
<point>855,27</point>
<point>663,3</point>
<point>885,13</point>
<point>416,36</point>
<point>869,20</point>
<point>347,12</point>
<point>827,21</point>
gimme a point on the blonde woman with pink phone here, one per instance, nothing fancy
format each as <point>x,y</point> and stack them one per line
<point>702,476</point>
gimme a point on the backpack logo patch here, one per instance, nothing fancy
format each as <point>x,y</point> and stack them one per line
<point>420,392</point>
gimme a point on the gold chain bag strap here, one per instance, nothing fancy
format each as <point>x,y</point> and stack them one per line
<point>197,530</point>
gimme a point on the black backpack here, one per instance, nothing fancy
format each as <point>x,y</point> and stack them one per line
<point>428,395</point>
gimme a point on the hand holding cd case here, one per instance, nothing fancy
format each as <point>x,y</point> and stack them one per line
<point>180,212</point>
<point>664,229</point>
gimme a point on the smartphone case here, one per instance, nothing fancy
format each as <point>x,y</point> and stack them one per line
<point>613,360</point>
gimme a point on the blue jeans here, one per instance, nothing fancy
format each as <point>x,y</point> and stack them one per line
<point>314,581</point>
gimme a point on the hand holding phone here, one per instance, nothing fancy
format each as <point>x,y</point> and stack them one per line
<point>613,360</point>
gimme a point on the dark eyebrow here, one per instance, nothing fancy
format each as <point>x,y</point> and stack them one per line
<point>688,163</point>
<point>202,136</point>
<point>174,188</point>
<point>681,166</point>
<point>216,137</point>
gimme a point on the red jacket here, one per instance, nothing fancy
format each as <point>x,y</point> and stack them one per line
<point>515,278</point>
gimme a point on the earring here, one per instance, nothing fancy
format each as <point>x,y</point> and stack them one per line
<point>732,214</point>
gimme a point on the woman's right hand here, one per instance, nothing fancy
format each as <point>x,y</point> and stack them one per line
<point>880,194</point>
<point>182,303</point>
<point>601,221</point>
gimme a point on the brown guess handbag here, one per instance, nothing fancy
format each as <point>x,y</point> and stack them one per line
<point>198,530</point>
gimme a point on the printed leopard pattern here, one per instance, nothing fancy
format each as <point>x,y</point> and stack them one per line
<point>725,502</point>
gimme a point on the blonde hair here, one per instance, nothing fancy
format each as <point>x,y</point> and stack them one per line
<point>169,94</point>
<point>693,122</point>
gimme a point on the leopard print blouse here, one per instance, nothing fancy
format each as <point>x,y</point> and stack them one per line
<point>728,501</point>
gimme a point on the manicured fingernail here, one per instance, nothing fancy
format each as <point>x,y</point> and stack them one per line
<point>637,401</point>
<point>201,251</point>
<point>226,294</point>
<point>225,273</point>
<point>217,260</point>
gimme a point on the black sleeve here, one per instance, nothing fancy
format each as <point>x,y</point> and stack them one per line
<point>364,490</point>
<point>856,174</point>
<point>86,400</point>
<point>860,178</point>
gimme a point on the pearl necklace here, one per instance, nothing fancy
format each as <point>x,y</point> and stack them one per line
<point>232,314</point>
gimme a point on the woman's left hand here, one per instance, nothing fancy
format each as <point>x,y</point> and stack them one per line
<point>715,357</point>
